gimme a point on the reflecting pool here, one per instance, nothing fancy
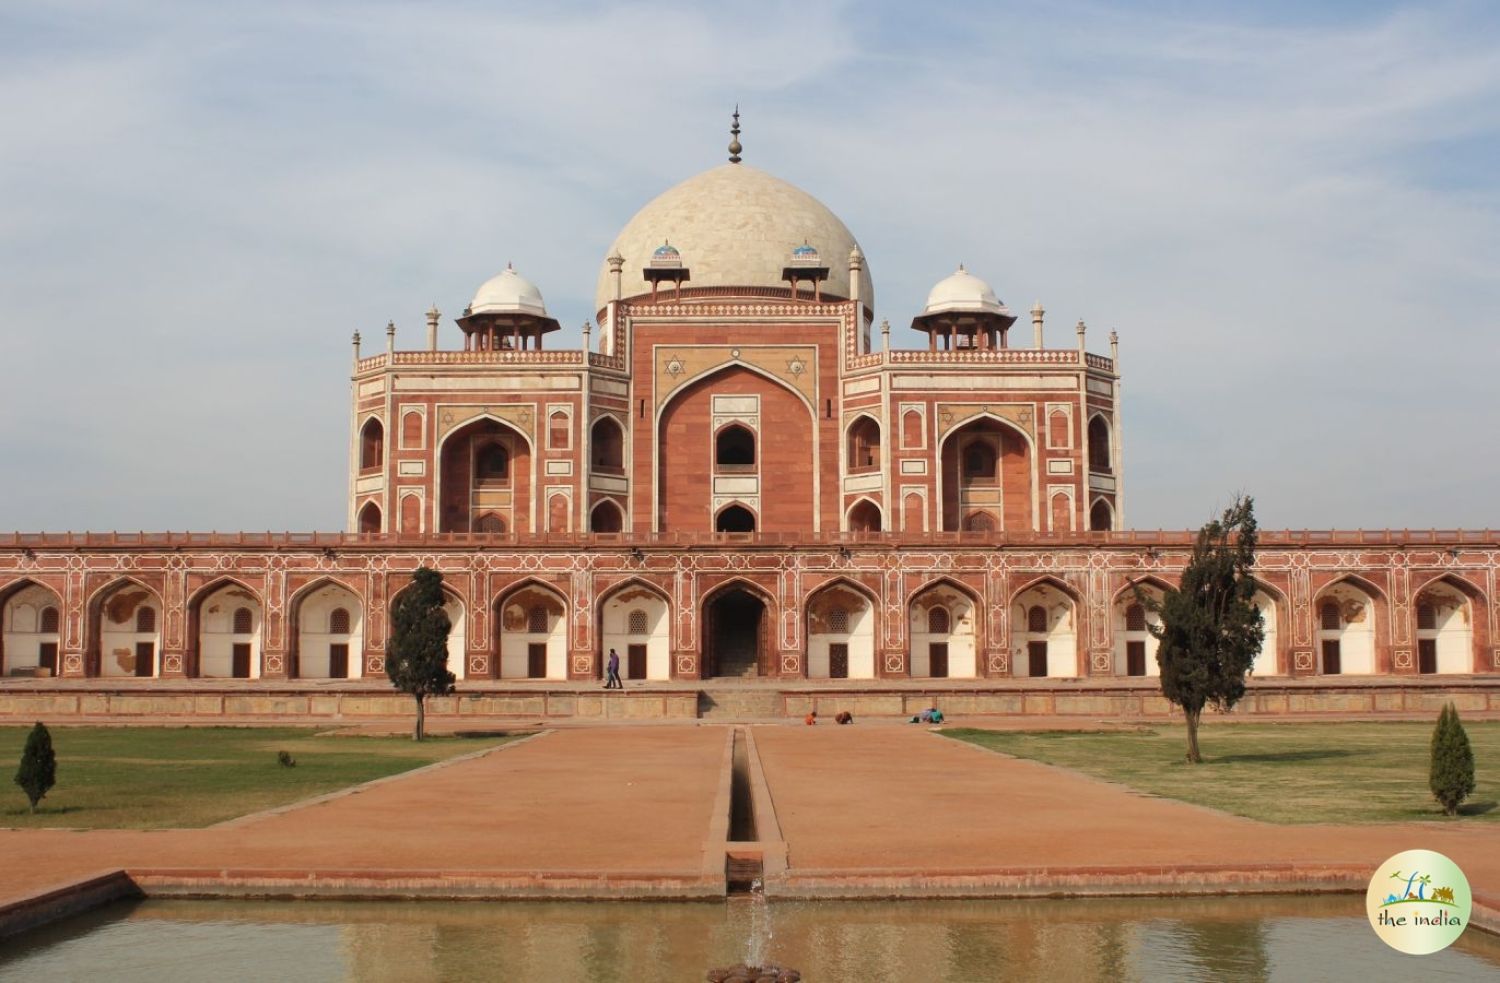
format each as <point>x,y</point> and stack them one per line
<point>1270,938</point>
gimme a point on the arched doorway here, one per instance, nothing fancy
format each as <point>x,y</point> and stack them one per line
<point>329,636</point>
<point>1044,632</point>
<point>127,631</point>
<point>636,622</point>
<point>1345,616</point>
<point>735,518</point>
<point>943,633</point>
<point>840,634</point>
<point>531,633</point>
<point>606,517</point>
<point>735,630</point>
<point>30,629</point>
<point>225,629</point>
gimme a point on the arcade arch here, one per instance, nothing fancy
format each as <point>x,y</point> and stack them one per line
<point>127,631</point>
<point>1444,617</point>
<point>943,628</point>
<point>531,622</point>
<point>840,633</point>
<point>329,635</point>
<point>635,621</point>
<point>1044,631</point>
<point>1344,613</point>
<point>30,629</point>
<point>225,621</point>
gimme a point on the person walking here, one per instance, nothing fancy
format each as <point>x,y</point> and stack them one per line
<point>613,681</point>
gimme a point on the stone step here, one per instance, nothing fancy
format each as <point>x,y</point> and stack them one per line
<point>734,704</point>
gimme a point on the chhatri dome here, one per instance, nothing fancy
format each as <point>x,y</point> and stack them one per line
<point>964,292</point>
<point>508,292</point>
<point>733,226</point>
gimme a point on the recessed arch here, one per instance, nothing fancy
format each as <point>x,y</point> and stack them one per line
<point>735,518</point>
<point>464,496</point>
<point>116,644</point>
<point>1348,615</point>
<point>841,617</point>
<point>530,627</point>
<point>692,381</point>
<point>1101,445</point>
<point>1101,515</point>
<point>1046,633</point>
<point>864,515</point>
<point>318,647</point>
<point>216,645</point>
<point>1013,491</point>
<point>739,629</point>
<point>607,444</point>
<point>369,519</point>
<point>458,625</point>
<point>635,620</point>
<point>1130,626</point>
<point>27,640</point>
<point>606,517</point>
<point>735,446</point>
<point>1450,621</point>
<point>862,439</point>
<point>947,645</point>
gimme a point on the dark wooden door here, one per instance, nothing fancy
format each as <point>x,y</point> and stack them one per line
<point>1036,658</point>
<point>635,662</point>
<point>937,660</point>
<point>47,657</point>
<point>1135,658</point>
<point>536,660</point>
<point>145,656</point>
<point>1427,655</point>
<point>239,661</point>
<point>338,660</point>
<point>838,660</point>
<point>1332,662</point>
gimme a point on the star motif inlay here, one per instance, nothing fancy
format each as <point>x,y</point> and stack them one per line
<point>796,366</point>
<point>675,367</point>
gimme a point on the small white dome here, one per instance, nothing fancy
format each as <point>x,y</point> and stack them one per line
<point>963,292</point>
<point>508,293</point>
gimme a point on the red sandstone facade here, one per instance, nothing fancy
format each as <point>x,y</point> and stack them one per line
<point>741,477</point>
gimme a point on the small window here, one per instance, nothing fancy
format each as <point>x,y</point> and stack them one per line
<point>637,622</point>
<point>979,460</point>
<point>1036,619</point>
<point>608,445</point>
<point>735,518</point>
<point>979,522</point>
<point>1099,456</point>
<point>536,620</point>
<point>372,445</point>
<point>338,621</point>
<point>492,464</point>
<point>864,444</point>
<point>490,522</point>
<point>1135,618</point>
<point>735,447</point>
<point>243,621</point>
<point>838,621</point>
<point>145,620</point>
<point>1426,618</point>
<point>49,620</point>
<point>1329,613</point>
<point>938,622</point>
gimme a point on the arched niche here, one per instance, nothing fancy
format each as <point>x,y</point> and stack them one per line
<point>607,443</point>
<point>369,519</point>
<point>531,624</point>
<point>943,626</point>
<point>1135,646</point>
<point>30,637</point>
<point>1443,612</point>
<point>635,621</point>
<point>864,516</point>
<point>372,445</point>
<point>329,623</point>
<point>862,445</point>
<point>606,518</point>
<point>1268,659</point>
<point>840,633</point>
<point>1101,516</point>
<point>987,467</point>
<point>484,478</point>
<point>1344,614</point>
<point>127,629</point>
<point>458,630</point>
<point>226,622</point>
<point>1100,452</point>
<point>1044,631</point>
<point>734,518</point>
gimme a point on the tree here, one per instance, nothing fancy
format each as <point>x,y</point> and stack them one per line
<point>1451,776</point>
<point>416,659</point>
<point>38,771</point>
<point>1210,628</point>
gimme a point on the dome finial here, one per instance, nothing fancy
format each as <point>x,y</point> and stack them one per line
<point>734,137</point>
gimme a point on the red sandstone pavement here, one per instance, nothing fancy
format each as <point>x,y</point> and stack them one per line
<point>857,800</point>
<point>898,802</point>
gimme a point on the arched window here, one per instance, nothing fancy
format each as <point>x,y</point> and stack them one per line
<point>338,621</point>
<point>49,620</point>
<point>864,517</point>
<point>838,621</point>
<point>411,430</point>
<point>536,619</point>
<point>608,443</point>
<point>369,519</point>
<point>491,523</point>
<point>864,445</point>
<point>937,621</point>
<point>734,447</point>
<point>1036,619</point>
<point>636,622</point>
<point>735,519</point>
<point>606,518</point>
<point>371,445</point>
<point>1101,519</point>
<point>979,460</point>
<point>1135,618</point>
<point>145,619</point>
<point>1329,615</point>
<point>979,522</point>
<point>559,431</point>
<point>1426,617</point>
<point>243,621</point>
<point>1099,456</point>
<point>492,464</point>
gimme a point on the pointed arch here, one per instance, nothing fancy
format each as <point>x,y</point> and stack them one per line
<point>606,517</point>
<point>369,519</point>
<point>634,618</point>
<point>1368,586</point>
<point>459,488</point>
<point>607,444</point>
<point>1351,631</point>
<point>735,517</point>
<point>864,515</point>
<point>1145,580</point>
<point>1459,641</point>
<point>193,657</point>
<point>1047,637</point>
<point>862,439</point>
<point>26,645</point>
<point>458,631</point>
<point>1101,515</point>
<point>739,633</point>
<point>1048,580</point>
<point>842,618</point>
<point>314,651</point>
<point>1101,444</point>
<point>530,630</point>
<point>735,446</point>
<point>953,485</point>
<point>952,650</point>
<point>130,652</point>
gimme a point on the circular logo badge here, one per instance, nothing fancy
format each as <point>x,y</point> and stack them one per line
<point>1418,902</point>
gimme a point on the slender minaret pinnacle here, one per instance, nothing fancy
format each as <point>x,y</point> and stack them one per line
<point>885,335</point>
<point>1037,313</point>
<point>433,314</point>
<point>355,339</point>
<point>390,338</point>
<point>734,137</point>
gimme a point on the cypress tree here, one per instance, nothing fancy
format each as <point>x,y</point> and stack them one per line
<point>1210,628</point>
<point>1451,776</point>
<point>38,771</point>
<point>416,659</point>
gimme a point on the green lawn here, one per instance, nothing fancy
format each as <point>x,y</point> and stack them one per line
<point>1280,773</point>
<point>152,777</point>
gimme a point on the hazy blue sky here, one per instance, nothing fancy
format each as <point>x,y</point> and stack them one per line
<point>1290,214</point>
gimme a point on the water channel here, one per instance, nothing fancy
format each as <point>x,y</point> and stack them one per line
<point>1268,938</point>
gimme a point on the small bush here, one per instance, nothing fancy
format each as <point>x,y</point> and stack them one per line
<point>38,771</point>
<point>1452,775</point>
<point>285,759</point>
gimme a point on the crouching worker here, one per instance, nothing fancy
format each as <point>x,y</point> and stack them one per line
<point>844,717</point>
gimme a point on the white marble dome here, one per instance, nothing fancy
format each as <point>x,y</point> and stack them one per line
<point>734,226</point>
<point>508,293</point>
<point>963,292</point>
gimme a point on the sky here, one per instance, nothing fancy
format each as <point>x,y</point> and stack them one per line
<point>1290,214</point>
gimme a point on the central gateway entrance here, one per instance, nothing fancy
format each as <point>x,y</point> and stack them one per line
<point>734,629</point>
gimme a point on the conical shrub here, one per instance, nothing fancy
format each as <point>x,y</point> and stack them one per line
<point>1452,774</point>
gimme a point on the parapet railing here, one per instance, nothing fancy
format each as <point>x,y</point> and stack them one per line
<point>500,356</point>
<point>914,356</point>
<point>781,540</point>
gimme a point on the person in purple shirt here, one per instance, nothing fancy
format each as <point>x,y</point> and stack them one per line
<point>613,680</point>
